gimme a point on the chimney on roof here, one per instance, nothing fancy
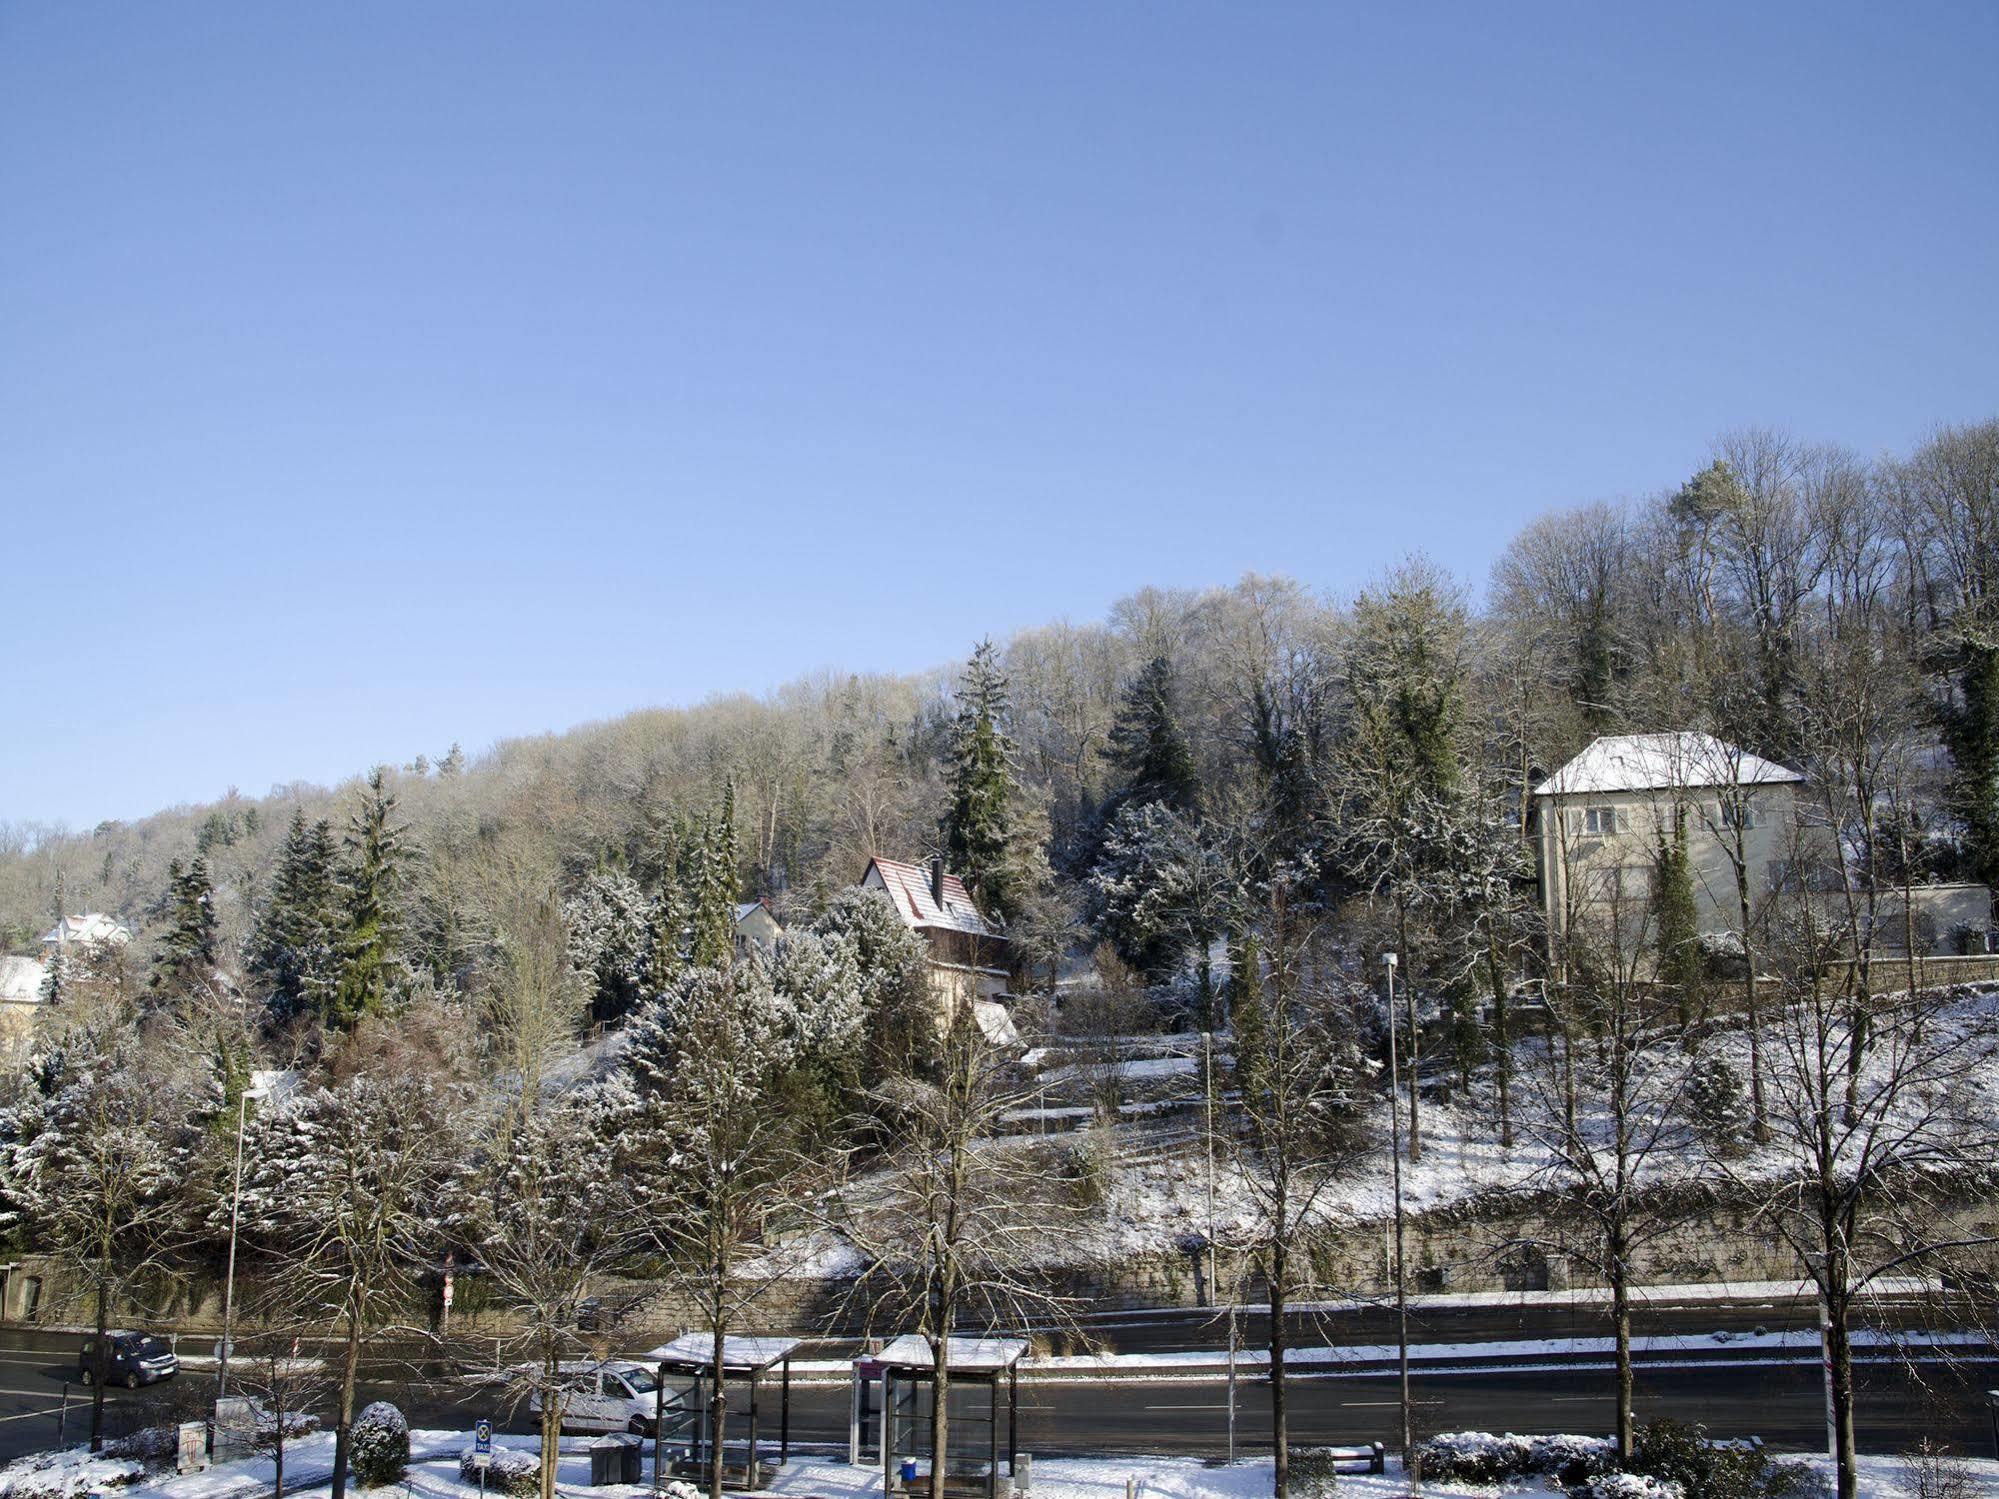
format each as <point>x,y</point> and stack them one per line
<point>937,880</point>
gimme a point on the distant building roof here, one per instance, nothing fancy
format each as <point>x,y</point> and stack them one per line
<point>745,909</point>
<point>21,981</point>
<point>908,886</point>
<point>87,926</point>
<point>1662,762</point>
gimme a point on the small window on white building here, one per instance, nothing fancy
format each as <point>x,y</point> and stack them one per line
<point>1602,822</point>
<point>1738,814</point>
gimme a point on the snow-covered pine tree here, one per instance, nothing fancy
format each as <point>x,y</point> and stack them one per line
<point>372,968</point>
<point>184,961</point>
<point>1147,746</point>
<point>295,946</point>
<point>610,923</point>
<point>1159,891</point>
<point>898,1010</point>
<point>981,829</point>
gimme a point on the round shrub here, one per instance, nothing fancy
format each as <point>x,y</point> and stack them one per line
<point>511,1471</point>
<point>379,1450</point>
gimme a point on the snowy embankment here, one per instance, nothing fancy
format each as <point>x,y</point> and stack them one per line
<point>437,1476</point>
<point>1154,1201</point>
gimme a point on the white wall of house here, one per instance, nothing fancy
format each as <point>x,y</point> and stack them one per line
<point>1597,850</point>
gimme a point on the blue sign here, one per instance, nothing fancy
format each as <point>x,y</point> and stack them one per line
<point>482,1442</point>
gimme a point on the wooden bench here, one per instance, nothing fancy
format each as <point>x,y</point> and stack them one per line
<point>1372,1458</point>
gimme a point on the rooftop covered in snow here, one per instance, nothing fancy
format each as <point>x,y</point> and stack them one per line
<point>1662,762</point>
<point>86,926</point>
<point>967,1355</point>
<point>740,1355</point>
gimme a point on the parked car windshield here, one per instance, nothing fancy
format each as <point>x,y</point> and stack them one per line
<point>146,1346</point>
<point>640,1380</point>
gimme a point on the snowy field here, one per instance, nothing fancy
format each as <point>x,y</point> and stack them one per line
<point>435,1475</point>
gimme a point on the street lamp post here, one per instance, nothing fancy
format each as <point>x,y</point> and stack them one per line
<point>229,1278</point>
<point>1401,1281</point>
<point>1208,1092</point>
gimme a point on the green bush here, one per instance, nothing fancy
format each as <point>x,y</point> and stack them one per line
<point>379,1451</point>
<point>1312,1472</point>
<point>1677,1453</point>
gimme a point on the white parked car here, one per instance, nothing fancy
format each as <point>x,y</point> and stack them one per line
<point>616,1395</point>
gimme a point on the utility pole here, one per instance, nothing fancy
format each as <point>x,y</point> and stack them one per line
<point>1401,1280</point>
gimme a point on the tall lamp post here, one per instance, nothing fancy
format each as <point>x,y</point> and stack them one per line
<point>1401,1281</point>
<point>235,1211</point>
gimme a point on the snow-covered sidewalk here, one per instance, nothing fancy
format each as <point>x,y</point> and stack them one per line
<point>826,1478</point>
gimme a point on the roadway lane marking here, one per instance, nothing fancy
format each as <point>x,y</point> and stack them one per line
<point>1364,1404</point>
<point>1577,1399</point>
<point>1220,1406</point>
<point>47,1415</point>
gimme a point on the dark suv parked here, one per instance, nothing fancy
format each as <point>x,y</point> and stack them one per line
<point>130,1359</point>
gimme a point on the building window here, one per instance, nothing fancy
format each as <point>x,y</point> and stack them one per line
<point>1601,822</point>
<point>1738,814</point>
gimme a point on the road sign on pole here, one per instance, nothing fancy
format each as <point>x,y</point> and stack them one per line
<point>482,1443</point>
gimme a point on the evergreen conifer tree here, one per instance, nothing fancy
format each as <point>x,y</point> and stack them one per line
<point>1147,745</point>
<point>714,944</point>
<point>185,958</point>
<point>371,956</point>
<point>295,946</point>
<point>1674,920</point>
<point>981,828</point>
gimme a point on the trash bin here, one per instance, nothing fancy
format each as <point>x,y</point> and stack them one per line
<point>607,1461</point>
<point>635,1460</point>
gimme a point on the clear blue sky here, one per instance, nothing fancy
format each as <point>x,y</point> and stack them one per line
<point>378,375</point>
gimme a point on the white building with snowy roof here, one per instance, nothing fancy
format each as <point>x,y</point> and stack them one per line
<point>1603,818</point>
<point>87,926</point>
<point>970,958</point>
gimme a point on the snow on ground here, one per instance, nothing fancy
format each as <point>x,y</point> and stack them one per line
<point>1154,1200</point>
<point>828,1478</point>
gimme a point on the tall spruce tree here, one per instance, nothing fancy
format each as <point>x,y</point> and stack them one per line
<point>371,968</point>
<point>184,962</point>
<point>295,947</point>
<point>1147,745</point>
<point>715,888</point>
<point>981,829</point>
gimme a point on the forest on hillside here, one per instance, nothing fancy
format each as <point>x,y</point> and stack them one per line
<point>1837,614</point>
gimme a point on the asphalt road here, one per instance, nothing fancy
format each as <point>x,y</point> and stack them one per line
<point>1781,1403</point>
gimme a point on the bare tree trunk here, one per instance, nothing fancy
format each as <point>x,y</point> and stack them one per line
<point>100,1366</point>
<point>551,1417</point>
<point>718,1403</point>
<point>1620,1321</point>
<point>1502,1041</point>
<point>1839,1355</point>
<point>1280,1418</point>
<point>940,1411</point>
<point>343,1430</point>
